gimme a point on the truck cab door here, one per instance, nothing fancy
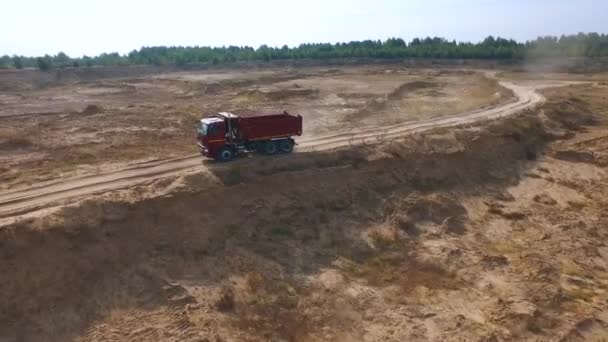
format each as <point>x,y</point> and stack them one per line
<point>216,132</point>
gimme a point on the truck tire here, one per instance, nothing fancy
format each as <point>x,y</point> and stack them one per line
<point>286,146</point>
<point>225,154</point>
<point>270,147</point>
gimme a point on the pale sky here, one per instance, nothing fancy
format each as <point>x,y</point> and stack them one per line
<point>90,27</point>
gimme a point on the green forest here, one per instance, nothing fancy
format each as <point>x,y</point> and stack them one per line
<point>580,45</point>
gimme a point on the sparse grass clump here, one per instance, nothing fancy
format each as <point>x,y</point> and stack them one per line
<point>384,237</point>
<point>584,295</point>
<point>226,301</point>
<point>281,231</point>
<point>570,268</point>
<point>233,176</point>
<point>576,205</point>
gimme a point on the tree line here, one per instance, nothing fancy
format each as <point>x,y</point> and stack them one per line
<point>580,45</point>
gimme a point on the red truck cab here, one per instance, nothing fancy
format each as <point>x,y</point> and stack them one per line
<point>211,135</point>
<point>224,135</point>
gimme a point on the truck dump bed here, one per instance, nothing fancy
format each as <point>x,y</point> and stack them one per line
<point>265,126</point>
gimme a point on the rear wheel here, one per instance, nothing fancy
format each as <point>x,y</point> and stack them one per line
<point>225,154</point>
<point>270,147</point>
<point>286,146</point>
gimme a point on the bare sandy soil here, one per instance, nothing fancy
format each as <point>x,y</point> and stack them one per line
<point>59,192</point>
<point>485,231</point>
<point>95,126</point>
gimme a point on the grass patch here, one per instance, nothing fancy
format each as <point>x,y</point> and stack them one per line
<point>396,267</point>
<point>581,294</point>
<point>233,176</point>
<point>367,199</point>
<point>576,205</point>
<point>282,232</point>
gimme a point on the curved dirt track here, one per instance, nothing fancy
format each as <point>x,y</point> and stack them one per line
<point>526,97</point>
<point>37,196</point>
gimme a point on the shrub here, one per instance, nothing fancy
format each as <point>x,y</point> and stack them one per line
<point>18,62</point>
<point>281,231</point>
<point>44,63</point>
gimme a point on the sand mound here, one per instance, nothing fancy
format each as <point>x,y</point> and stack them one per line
<point>409,87</point>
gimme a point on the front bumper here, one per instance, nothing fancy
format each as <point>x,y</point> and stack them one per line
<point>204,151</point>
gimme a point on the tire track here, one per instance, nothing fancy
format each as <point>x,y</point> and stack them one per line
<point>42,195</point>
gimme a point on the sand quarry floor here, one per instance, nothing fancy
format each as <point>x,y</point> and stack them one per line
<point>487,231</point>
<point>71,128</point>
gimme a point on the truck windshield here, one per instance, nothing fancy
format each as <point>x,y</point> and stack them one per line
<point>202,129</point>
<point>206,129</point>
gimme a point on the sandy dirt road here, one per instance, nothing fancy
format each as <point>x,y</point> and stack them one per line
<point>37,196</point>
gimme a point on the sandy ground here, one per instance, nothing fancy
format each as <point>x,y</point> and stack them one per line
<point>57,193</point>
<point>485,231</point>
<point>96,126</point>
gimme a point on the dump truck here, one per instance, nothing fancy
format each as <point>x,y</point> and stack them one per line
<point>225,135</point>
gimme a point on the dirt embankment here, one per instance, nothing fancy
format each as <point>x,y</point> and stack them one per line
<point>473,233</point>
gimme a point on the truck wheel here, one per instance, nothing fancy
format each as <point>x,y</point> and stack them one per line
<point>270,147</point>
<point>225,154</point>
<point>286,146</point>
